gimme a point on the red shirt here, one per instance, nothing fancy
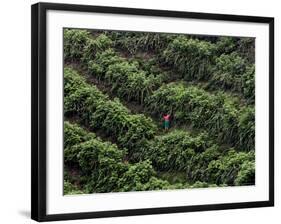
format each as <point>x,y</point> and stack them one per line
<point>167,117</point>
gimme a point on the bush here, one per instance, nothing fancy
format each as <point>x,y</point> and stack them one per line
<point>226,45</point>
<point>200,162</point>
<point>129,82</point>
<point>228,70</point>
<point>74,135</point>
<point>175,151</point>
<point>132,42</point>
<point>228,168</point>
<point>74,43</point>
<point>93,46</point>
<point>72,81</point>
<point>128,129</point>
<point>246,174</point>
<point>136,175</point>
<point>102,162</point>
<point>98,67</point>
<point>192,58</point>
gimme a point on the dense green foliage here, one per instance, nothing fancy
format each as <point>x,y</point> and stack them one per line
<point>224,119</point>
<point>102,163</point>
<point>96,110</point>
<point>174,150</point>
<point>206,84</point>
<point>225,45</point>
<point>93,46</point>
<point>232,72</point>
<point>227,62</point>
<point>129,81</point>
<point>133,42</point>
<point>192,58</point>
<point>74,43</point>
<point>233,168</point>
<point>228,71</point>
<point>103,166</point>
<point>200,159</point>
<point>74,135</point>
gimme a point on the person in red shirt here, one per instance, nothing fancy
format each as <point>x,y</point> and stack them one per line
<point>166,118</point>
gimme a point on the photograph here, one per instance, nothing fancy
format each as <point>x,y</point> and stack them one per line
<point>140,111</point>
<point>152,111</point>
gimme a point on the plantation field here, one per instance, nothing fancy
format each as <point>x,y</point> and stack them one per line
<point>119,85</point>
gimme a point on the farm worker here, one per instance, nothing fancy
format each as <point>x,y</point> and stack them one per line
<point>166,118</point>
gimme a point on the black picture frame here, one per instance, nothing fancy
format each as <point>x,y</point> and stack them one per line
<point>38,110</point>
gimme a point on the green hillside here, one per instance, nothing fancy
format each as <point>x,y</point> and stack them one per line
<point>118,86</point>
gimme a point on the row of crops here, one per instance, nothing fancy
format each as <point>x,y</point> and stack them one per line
<point>109,148</point>
<point>102,165</point>
<point>103,168</point>
<point>97,111</point>
<point>224,117</point>
<point>225,62</point>
<point>140,154</point>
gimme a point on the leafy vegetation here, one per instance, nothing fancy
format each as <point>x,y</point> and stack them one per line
<point>130,82</point>
<point>93,46</point>
<point>74,43</point>
<point>104,167</point>
<point>206,84</point>
<point>133,42</point>
<point>232,72</point>
<point>174,151</point>
<point>96,110</point>
<point>233,168</point>
<point>226,62</point>
<point>192,58</point>
<point>223,119</point>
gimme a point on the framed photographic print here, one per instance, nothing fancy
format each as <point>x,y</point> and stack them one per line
<point>139,111</point>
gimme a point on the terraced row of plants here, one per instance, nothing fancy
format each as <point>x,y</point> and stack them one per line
<point>97,111</point>
<point>225,118</point>
<point>196,156</point>
<point>103,62</point>
<point>102,167</point>
<point>109,148</point>
<point>225,63</point>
